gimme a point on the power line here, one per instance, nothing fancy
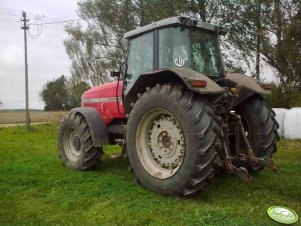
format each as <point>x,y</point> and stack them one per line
<point>10,20</point>
<point>78,19</point>
<point>68,21</point>
<point>39,27</point>
<point>9,14</point>
<point>14,12</point>
<point>17,12</point>
<point>39,23</point>
<point>54,28</point>
<point>11,10</point>
<point>62,21</point>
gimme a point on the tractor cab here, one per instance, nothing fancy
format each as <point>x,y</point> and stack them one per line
<point>177,42</point>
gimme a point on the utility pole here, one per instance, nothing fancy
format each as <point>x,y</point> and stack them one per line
<point>25,28</point>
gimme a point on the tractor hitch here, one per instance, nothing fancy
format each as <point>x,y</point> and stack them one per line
<point>242,173</point>
<point>268,162</point>
<point>233,161</point>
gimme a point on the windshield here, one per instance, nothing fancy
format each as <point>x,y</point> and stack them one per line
<point>206,53</point>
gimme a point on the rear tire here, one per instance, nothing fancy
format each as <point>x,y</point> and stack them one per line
<point>260,123</point>
<point>75,143</point>
<point>171,142</point>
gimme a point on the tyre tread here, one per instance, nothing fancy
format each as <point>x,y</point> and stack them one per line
<point>90,155</point>
<point>199,112</point>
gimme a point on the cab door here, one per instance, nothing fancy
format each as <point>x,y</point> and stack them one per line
<point>140,59</point>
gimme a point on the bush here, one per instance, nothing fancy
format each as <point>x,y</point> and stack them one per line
<point>284,98</point>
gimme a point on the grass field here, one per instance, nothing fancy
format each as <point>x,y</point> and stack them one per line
<point>15,117</point>
<point>36,189</point>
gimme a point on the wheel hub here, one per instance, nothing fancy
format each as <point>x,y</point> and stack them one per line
<point>72,144</point>
<point>166,142</point>
<point>75,141</point>
<point>160,143</point>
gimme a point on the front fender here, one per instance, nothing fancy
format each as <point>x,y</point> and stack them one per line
<point>98,128</point>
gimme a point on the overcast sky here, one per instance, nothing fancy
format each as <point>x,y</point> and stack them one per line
<point>47,58</point>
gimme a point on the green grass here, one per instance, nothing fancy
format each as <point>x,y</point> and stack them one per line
<point>36,189</point>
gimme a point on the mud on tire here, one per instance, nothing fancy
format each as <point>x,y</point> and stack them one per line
<point>171,142</point>
<point>75,143</point>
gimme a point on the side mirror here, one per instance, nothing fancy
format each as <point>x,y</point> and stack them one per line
<point>115,74</point>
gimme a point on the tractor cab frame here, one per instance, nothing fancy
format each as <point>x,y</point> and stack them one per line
<point>175,42</point>
<point>176,49</point>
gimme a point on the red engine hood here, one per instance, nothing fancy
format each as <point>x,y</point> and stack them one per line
<point>105,90</point>
<point>103,99</point>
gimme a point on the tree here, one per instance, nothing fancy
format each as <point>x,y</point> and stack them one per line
<point>99,48</point>
<point>55,94</point>
<point>75,91</point>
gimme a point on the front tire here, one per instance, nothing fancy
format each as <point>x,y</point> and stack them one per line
<point>171,142</point>
<point>75,143</point>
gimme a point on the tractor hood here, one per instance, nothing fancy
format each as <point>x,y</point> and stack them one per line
<point>103,99</point>
<point>103,91</point>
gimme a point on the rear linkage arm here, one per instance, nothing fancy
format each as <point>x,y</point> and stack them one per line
<point>223,134</point>
<point>241,172</point>
<point>268,162</point>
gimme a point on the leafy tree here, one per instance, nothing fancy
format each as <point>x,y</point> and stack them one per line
<point>100,47</point>
<point>276,99</point>
<point>55,94</point>
<point>75,91</point>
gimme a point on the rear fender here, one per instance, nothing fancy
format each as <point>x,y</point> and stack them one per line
<point>182,76</point>
<point>96,125</point>
<point>246,86</point>
<point>246,82</point>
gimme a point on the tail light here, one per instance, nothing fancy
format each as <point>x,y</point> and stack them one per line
<point>198,83</point>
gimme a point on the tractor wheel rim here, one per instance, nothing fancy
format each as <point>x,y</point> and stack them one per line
<point>160,143</point>
<point>72,144</point>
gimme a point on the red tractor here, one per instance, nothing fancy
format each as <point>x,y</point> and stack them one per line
<point>176,113</point>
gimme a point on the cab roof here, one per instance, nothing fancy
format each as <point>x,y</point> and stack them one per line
<point>180,20</point>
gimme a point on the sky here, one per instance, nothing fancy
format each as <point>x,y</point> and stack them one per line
<point>47,58</point>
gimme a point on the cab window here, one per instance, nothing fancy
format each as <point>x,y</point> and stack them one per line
<point>141,56</point>
<point>174,48</point>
